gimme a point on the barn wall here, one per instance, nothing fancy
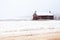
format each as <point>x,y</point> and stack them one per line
<point>43,17</point>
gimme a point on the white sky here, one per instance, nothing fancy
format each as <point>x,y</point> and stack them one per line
<point>18,8</point>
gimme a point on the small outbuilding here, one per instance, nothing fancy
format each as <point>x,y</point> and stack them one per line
<point>43,16</point>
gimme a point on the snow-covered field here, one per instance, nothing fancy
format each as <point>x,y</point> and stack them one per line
<point>29,27</point>
<point>30,30</point>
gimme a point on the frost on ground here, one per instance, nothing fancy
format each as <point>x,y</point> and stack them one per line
<point>37,28</point>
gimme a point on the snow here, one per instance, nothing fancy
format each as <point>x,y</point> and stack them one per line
<point>44,13</point>
<point>28,27</point>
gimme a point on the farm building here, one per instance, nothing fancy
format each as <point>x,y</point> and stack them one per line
<point>43,16</point>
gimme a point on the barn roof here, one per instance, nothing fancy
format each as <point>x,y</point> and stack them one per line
<point>43,13</point>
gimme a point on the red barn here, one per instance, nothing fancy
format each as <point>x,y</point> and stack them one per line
<point>43,16</point>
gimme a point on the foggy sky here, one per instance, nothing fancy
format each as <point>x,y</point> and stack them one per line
<point>19,8</point>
